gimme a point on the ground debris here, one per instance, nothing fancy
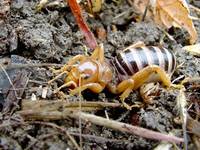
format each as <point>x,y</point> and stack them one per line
<point>33,41</point>
<point>50,105</point>
<point>14,93</point>
<point>4,9</point>
<point>123,127</point>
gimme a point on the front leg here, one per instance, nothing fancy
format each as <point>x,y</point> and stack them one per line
<point>66,67</point>
<point>94,87</point>
<point>58,76</point>
<point>68,84</point>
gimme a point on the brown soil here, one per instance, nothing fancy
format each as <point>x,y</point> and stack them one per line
<point>52,36</point>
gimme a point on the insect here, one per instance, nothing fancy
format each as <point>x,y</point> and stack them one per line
<point>131,68</point>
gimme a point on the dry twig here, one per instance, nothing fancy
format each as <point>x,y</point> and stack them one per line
<point>17,66</point>
<point>123,127</point>
<point>48,105</point>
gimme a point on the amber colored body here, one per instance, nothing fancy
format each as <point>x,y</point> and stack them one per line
<point>94,73</point>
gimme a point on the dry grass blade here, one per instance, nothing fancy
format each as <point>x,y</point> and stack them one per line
<point>196,140</point>
<point>181,103</point>
<point>41,4</point>
<point>193,49</point>
<point>123,127</point>
<point>195,8</point>
<point>163,146</point>
<point>76,10</point>
<point>49,105</point>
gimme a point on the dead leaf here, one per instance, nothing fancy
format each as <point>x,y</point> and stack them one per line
<point>94,5</point>
<point>193,49</point>
<point>176,13</point>
<point>169,13</point>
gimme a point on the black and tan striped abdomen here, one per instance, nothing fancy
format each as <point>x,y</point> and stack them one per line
<point>132,60</point>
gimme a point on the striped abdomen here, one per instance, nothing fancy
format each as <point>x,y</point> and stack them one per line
<point>132,60</point>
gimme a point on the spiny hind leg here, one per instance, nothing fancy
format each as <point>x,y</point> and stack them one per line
<point>142,76</point>
<point>125,87</point>
<point>121,87</point>
<point>124,95</point>
<point>94,87</point>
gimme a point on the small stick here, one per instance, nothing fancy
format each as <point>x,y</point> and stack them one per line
<point>11,83</point>
<point>123,127</point>
<point>16,66</point>
<point>50,105</point>
<point>195,8</point>
<point>189,80</point>
<point>145,11</point>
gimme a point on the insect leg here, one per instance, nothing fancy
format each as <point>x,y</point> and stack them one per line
<point>75,59</point>
<point>94,87</point>
<point>67,66</point>
<point>58,76</point>
<point>121,87</point>
<point>66,85</point>
<point>125,87</point>
<point>143,75</point>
